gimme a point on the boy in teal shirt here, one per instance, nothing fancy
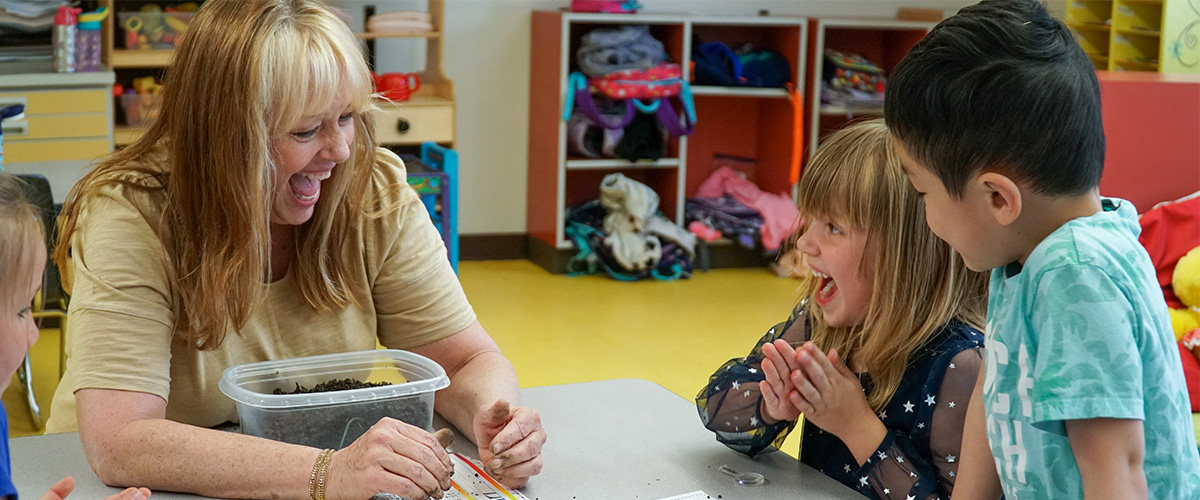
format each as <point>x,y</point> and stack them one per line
<point>996,117</point>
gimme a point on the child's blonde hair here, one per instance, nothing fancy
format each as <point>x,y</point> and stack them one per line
<point>20,230</point>
<point>246,72</point>
<point>920,283</point>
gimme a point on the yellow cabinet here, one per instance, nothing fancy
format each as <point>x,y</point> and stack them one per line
<point>67,125</point>
<point>1137,35</point>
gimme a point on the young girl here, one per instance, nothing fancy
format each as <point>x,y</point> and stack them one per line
<point>887,333</point>
<point>22,261</point>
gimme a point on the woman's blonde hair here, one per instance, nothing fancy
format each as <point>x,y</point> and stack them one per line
<point>245,73</point>
<point>20,229</point>
<point>920,283</point>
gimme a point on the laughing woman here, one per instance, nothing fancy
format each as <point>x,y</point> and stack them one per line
<point>255,220</point>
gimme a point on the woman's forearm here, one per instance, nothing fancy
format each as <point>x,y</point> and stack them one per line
<point>164,455</point>
<point>480,381</point>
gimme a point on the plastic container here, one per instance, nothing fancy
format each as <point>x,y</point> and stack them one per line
<point>143,30</point>
<point>140,109</point>
<point>333,419</point>
<point>65,24</point>
<point>88,41</point>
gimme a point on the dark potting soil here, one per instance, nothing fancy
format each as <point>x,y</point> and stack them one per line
<point>337,384</point>
<point>335,425</point>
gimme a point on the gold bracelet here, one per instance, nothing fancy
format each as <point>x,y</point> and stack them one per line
<point>316,481</point>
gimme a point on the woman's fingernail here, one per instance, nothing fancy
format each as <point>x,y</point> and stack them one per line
<point>496,448</point>
<point>496,464</point>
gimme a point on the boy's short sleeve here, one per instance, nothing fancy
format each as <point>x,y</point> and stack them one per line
<point>1087,361</point>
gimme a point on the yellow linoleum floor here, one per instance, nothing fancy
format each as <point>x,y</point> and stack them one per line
<point>559,329</point>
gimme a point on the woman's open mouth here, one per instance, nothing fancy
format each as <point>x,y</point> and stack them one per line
<point>306,187</point>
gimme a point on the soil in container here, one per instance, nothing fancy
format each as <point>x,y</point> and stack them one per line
<point>336,425</point>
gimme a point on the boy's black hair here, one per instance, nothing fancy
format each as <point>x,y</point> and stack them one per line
<point>1003,87</point>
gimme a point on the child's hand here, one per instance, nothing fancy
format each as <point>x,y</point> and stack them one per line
<point>828,393</point>
<point>131,494</point>
<point>63,488</point>
<point>777,386</point>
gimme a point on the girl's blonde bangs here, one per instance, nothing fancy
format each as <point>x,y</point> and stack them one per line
<point>841,181</point>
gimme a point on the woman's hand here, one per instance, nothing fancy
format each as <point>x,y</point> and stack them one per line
<point>510,442</point>
<point>828,393</point>
<point>64,487</point>
<point>777,384</point>
<point>391,457</point>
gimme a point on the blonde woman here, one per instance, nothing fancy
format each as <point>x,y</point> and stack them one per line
<point>886,337</point>
<point>255,220</point>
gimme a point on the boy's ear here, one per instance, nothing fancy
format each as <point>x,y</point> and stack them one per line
<point>1004,197</point>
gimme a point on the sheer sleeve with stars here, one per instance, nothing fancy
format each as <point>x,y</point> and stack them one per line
<point>920,464</point>
<point>730,405</point>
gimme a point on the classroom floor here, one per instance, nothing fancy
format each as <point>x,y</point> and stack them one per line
<point>559,329</point>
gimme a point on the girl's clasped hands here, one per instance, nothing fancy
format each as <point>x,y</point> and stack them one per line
<point>806,381</point>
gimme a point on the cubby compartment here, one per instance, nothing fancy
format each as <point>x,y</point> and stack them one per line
<point>882,42</point>
<point>669,33</point>
<point>786,40</point>
<point>1132,35</point>
<point>583,185</point>
<point>758,131</point>
<point>1089,12</point>
<point>1138,18</point>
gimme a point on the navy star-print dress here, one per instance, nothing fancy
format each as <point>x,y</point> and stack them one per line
<point>919,457</point>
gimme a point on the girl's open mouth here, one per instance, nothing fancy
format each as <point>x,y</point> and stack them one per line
<point>826,290</point>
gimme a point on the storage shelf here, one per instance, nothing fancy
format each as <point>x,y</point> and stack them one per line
<point>1090,26</point>
<point>375,36</point>
<point>1139,65</point>
<point>1140,32</point>
<point>734,121</point>
<point>1120,35</point>
<point>616,163</point>
<point>830,110</point>
<point>124,58</point>
<point>739,91</point>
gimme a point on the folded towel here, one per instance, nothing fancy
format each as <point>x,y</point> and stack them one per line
<point>398,27</point>
<point>403,15</point>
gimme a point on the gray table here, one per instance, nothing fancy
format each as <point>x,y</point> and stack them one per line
<point>608,440</point>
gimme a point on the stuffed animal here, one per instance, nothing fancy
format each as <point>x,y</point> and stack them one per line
<point>1185,281</point>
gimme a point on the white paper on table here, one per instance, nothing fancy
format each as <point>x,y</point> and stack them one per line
<point>470,482</point>
<point>695,495</point>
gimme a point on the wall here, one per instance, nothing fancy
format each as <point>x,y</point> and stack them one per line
<point>487,56</point>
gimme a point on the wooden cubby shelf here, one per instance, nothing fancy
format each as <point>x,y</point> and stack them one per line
<point>757,123</point>
<point>428,115</point>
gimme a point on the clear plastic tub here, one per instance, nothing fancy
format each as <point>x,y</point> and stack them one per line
<point>140,109</point>
<point>333,419</point>
<point>142,30</point>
